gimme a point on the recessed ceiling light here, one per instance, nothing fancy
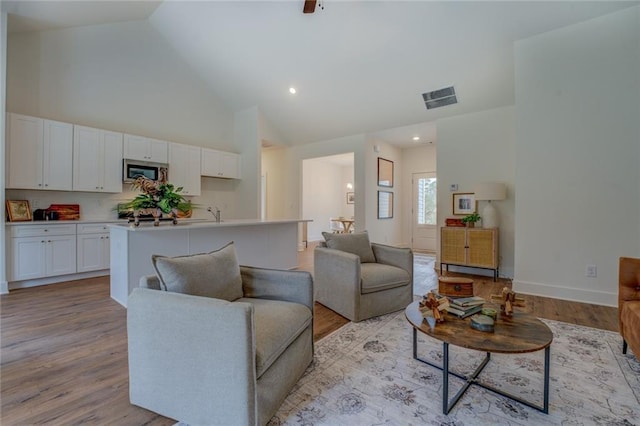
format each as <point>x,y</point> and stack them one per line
<point>292,90</point>
<point>416,138</point>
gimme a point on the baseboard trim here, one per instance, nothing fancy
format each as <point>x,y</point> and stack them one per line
<point>14,285</point>
<point>571,294</point>
<point>4,287</point>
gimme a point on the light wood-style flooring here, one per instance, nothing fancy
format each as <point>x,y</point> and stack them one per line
<point>64,350</point>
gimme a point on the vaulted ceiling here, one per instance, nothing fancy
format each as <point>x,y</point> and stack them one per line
<point>358,67</point>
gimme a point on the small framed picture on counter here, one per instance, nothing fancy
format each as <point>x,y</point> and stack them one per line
<point>18,211</point>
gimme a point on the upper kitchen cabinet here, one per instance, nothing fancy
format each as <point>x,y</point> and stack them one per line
<point>184,168</point>
<point>220,164</point>
<point>145,149</point>
<point>97,160</point>
<point>39,153</point>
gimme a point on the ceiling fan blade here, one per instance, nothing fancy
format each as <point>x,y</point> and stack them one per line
<point>309,6</point>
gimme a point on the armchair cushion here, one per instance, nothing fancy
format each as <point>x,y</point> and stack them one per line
<point>379,277</point>
<point>356,243</point>
<point>215,274</point>
<point>277,325</point>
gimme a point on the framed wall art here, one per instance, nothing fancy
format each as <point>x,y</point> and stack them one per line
<point>385,172</point>
<point>385,204</point>
<point>351,197</point>
<point>18,211</point>
<point>464,203</point>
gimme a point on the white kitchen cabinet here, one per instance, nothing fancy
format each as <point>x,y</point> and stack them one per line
<point>97,160</point>
<point>184,168</point>
<point>39,153</point>
<point>42,251</point>
<point>220,164</point>
<point>146,149</point>
<point>92,244</point>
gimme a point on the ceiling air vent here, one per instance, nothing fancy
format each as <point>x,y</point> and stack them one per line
<point>440,98</point>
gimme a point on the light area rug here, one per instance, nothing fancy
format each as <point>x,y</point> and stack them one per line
<point>424,276</point>
<point>364,374</point>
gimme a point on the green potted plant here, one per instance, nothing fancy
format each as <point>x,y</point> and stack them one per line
<point>158,198</point>
<point>470,220</point>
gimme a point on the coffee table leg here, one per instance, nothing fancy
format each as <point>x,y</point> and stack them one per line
<point>547,352</point>
<point>469,380</point>
<point>445,378</point>
<point>415,344</point>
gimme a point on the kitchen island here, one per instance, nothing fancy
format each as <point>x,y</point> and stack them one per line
<point>262,243</point>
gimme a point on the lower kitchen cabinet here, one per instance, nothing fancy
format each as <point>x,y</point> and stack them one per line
<point>54,249</point>
<point>42,251</point>
<point>93,247</point>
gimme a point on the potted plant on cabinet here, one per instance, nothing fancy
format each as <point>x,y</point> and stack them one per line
<point>157,198</point>
<point>470,220</point>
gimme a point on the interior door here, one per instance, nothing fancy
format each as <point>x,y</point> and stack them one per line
<point>424,220</point>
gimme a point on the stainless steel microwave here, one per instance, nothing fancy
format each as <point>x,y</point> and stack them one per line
<point>132,169</point>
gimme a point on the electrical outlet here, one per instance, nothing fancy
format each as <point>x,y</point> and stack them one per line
<point>592,271</point>
<point>35,204</point>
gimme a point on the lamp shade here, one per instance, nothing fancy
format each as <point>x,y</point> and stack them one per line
<point>490,191</point>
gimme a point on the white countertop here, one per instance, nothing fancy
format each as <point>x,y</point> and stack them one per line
<point>201,223</point>
<point>123,223</point>
<point>65,222</point>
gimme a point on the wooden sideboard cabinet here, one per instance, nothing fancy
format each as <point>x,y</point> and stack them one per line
<point>471,247</point>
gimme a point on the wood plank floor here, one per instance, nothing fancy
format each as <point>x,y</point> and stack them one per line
<point>64,350</point>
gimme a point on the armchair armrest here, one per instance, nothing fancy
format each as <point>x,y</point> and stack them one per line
<point>629,279</point>
<point>150,281</point>
<point>337,280</point>
<point>336,266</point>
<point>394,256</point>
<point>201,348</point>
<point>275,284</point>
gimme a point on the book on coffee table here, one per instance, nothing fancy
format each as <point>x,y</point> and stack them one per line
<point>468,301</point>
<point>462,313</point>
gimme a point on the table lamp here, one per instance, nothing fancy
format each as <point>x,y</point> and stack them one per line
<point>490,192</point>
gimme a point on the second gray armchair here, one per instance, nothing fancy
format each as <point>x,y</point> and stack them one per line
<point>360,280</point>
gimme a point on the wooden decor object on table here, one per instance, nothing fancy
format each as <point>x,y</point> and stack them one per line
<point>455,286</point>
<point>507,301</point>
<point>429,302</point>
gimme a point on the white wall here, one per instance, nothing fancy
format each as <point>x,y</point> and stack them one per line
<point>385,231</point>
<point>348,210</point>
<point>420,159</point>
<point>474,148</point>
<point>322,197</point>
<point>4,286</point>
<point>122,77</point>
<point>246,135</point>
<point>274,162</point>
<point>577,157</point>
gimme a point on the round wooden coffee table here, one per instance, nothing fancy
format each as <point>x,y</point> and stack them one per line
<point>520,333</point>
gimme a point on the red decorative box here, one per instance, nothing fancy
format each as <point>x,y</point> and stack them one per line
<point>66,211</point>
<point>452,221</point>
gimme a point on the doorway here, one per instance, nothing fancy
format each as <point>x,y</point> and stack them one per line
<point>328,191</point>
<point>424,212</point>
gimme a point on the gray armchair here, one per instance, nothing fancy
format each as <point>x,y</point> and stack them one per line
<point>359,287</point>
<point>203,360</point>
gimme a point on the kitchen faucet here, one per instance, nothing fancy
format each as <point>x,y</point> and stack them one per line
<point>215,214</point>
